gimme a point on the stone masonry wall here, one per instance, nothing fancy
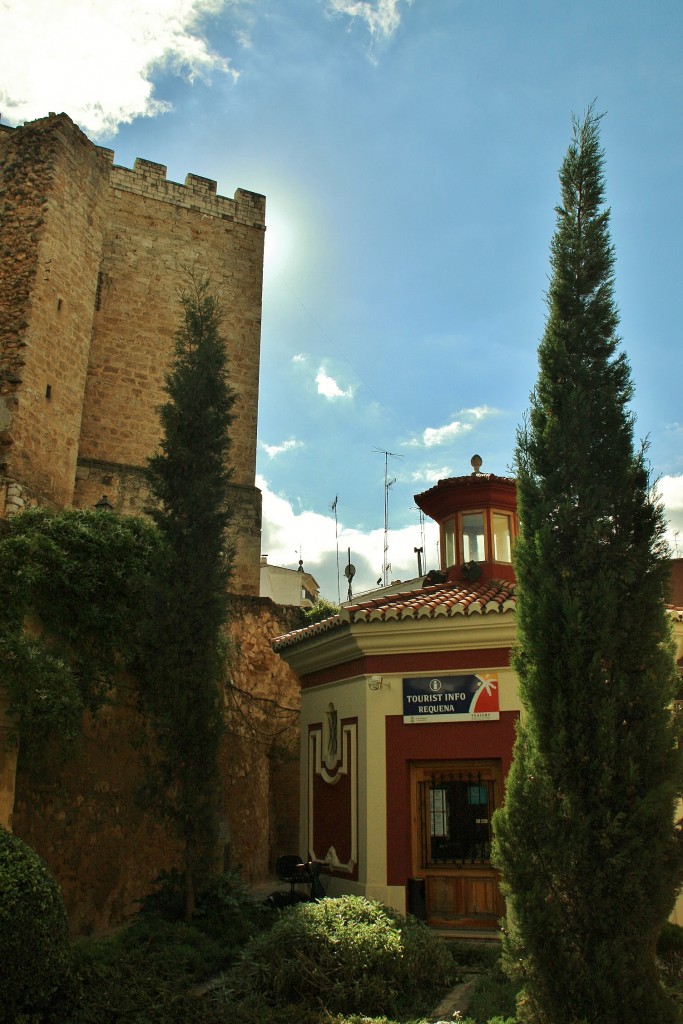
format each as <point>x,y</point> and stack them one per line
<point>155,229</point>
<point>264,716</point>
<point>127,490</point>
<point>84,820</point>
<point>52,185</point>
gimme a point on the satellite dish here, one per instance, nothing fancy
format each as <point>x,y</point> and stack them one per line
<point>471,571</point>
<point>350,571</point>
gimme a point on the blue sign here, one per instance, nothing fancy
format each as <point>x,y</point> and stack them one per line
<point>448,698</point>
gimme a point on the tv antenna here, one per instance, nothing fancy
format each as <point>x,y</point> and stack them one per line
<point>420,552</point>
<point>333,508</point>
<point>386,564</point>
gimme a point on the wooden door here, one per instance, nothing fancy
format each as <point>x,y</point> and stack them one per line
<point>453,803</point>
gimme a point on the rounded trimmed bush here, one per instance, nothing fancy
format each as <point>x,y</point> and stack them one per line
<point>348,955</point>
<point>34,934</point>
<point>670,951</point>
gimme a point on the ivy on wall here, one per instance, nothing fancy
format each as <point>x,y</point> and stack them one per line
<point>72,591</point>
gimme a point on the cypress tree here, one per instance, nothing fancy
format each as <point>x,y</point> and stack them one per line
<point>586,843</point>
<point>185,656</point>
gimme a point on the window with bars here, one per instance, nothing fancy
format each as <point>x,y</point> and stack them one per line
<point>455,811</point>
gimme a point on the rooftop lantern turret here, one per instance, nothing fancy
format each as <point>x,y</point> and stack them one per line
<point>477,517</point>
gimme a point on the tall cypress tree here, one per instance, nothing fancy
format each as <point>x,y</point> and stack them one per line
<point>586,842</point>
<point>184,661</point>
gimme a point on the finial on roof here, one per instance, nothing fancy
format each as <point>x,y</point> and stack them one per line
<point>475,463</point>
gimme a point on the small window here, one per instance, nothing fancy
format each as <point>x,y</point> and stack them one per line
<point>473,537</point>
<point>477,796</point>
<point>448,543</point>
<point>438,811</point>
<point>502,538</point>
<point>455,809</point>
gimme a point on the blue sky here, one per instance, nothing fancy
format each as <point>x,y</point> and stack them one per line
<point>409,154</point>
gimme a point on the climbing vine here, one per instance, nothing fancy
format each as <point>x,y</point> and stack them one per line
<point>72,588</point>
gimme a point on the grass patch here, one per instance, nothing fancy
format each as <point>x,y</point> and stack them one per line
<point>494,997</point>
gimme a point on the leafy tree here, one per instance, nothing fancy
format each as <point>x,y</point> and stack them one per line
<point>70,603</point>
<point>322,609</point>
<point>34,934</point>
<point>185,657</point>
<point>586,843</point>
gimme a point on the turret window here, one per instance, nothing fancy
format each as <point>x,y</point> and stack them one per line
<point>473,549</point>
<point>502,537</point>
<point>449,542</point>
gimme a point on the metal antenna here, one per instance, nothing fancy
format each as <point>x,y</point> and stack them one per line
<point>421,563</point>
<point>333,508</point>
<point>386,564</point>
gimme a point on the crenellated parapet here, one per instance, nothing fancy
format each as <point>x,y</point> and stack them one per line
<point>149,179</point>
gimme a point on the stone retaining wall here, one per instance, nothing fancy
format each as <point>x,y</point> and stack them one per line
<point>104,851</point>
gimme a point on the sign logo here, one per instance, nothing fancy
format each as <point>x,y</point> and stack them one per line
<point>466,698</point>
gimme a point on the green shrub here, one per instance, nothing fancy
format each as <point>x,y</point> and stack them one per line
<point>321,610</point>
<point>142,975</point>
<point>225,909</point>
<point>168,899</point>
<point>34,936</point>
<point>670,952</point>
<point>346,955</point>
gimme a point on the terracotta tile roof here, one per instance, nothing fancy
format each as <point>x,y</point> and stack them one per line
<point>441,600</point>
<point>465,481</point>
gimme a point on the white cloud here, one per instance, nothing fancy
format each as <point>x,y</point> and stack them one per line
<point>95,59</point>
<point>382,17</point>
<point>272,450</point>
<point>433,436</point>
<point>328,387</point>
<point>670,489</point>
<point>440,435</point>
<point>300,357</point>
<point>430,476</point>
<point>479,412</point>
<point>285,533</point>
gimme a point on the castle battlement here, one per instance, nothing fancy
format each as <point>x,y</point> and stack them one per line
<point>148,179</point>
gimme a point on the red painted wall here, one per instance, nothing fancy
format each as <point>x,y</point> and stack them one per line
<point>449,741</point>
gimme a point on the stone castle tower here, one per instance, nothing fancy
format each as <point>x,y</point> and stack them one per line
<point>92,260</point>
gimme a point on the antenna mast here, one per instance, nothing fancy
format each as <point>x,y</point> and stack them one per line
<point>386,564</point>
<point>333,508</point>
<point>421,561</point>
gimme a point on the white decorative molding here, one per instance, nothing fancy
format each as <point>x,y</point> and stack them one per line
<point>348,766</point>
